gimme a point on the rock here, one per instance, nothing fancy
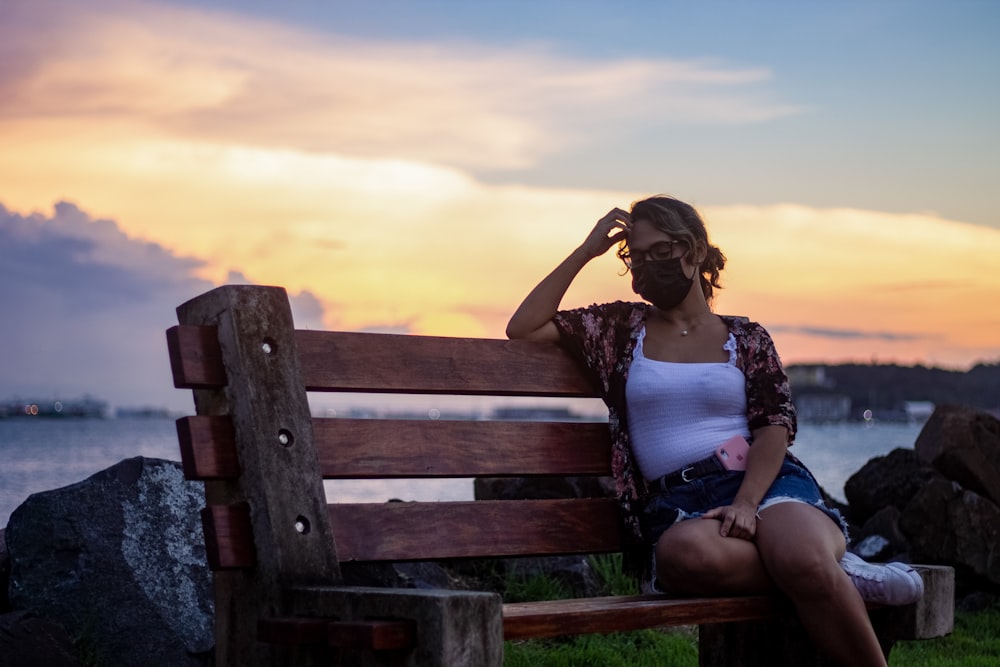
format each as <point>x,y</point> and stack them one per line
<point>890,480</point>
<point>573,573</point>
<point>4,573</point>
<point>28,641</point>
<point>882,529</point>
<point>977,601</point>
<point>521,488</point>
<point>423,575</point>
<point>964,445</point>
<point>948,524</point>
<point>873,548</point>
<point>118,560</point>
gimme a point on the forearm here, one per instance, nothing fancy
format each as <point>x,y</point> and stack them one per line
<point>770,444</point>
<point>542,303</point>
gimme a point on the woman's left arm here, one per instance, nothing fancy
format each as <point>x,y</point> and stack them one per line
<point>763,462</point>
<point>771,416</point>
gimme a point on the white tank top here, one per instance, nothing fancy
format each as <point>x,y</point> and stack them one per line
<point>678,413</point>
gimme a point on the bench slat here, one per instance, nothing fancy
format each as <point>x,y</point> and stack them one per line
<point>374,448</point>
<point>399,531</point>
<point>486,528</point>
<point>195,357</point>
<point>350,361</point>
<point>390,363</point>
<point>396,448</point>
<point>374,634</point>
<point>228,537</point>
<point>625,613</point>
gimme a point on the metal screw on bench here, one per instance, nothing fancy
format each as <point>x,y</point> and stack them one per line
<point>285,437</point>
<point>301,525</point>
<point>267,346</point>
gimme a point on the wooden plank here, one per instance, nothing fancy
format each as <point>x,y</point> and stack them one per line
<point>365,362</point>
<point>493,529</point>
<point>626,613</point>
<point>266,399</point>
<point>382,449</point>
<point>374,634</point>
<point>288,630</point>
<point>195,357</point>
<point>375,448</point>
<point>208,447</point>
<point>228,537</point>
<point>390,363</point>
<point>399,531</point>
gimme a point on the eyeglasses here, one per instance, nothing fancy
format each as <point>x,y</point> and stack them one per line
<point>657,251</point>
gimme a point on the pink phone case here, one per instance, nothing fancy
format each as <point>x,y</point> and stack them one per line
<point>733,453</point>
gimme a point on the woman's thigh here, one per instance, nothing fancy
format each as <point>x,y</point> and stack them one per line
<point>797,541</point>
<point>693,558</point>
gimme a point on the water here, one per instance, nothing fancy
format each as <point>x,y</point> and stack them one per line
<point>42,454</point>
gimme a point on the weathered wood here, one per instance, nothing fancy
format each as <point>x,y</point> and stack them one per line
<point>265,397</point>
<point>378,635</point>
<point>427,531</point>
<point>388,448</point>
<point>453,628</point>
<point>436,365</point>
<point>376,448</point>
<point>229,543</point>
<point>373,532</point>
<point>347,361</point>
<point>375,634</point>
<point>208,447</point>
<point>195,357</point>
<point>557,618</point>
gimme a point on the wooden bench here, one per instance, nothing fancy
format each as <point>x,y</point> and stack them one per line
<point>276,547</point>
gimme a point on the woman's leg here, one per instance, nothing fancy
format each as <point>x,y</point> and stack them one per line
<point>800,547</point>
<point>693,559</point>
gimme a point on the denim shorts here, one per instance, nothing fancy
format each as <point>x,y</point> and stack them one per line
<point>794,483</point>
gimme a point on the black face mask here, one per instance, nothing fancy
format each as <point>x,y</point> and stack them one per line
<point>661,282</point>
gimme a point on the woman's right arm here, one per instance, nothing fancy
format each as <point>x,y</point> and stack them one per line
<point>533,318</point>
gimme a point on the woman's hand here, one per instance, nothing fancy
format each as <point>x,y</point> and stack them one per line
<point>609,230</point>
<point>533,318</point>
<point>739,520</point>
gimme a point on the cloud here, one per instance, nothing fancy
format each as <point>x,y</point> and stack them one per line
<point>218,77</point>
<point>85,307</point>
<point>842,334</point>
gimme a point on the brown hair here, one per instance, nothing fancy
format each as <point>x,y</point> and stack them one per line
<point>680,220</point>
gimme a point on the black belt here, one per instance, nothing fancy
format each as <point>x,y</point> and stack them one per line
<point>686,474</point>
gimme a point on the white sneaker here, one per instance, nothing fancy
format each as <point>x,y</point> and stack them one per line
<point>889,583</point>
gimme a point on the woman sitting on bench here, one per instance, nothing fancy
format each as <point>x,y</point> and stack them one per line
<point>680,381</point>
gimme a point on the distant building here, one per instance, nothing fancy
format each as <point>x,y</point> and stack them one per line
<point>822,407</point>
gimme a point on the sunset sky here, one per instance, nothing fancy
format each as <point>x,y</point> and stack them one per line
<point>418,166</point>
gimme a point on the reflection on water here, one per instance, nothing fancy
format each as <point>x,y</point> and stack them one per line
<point>41,454</point>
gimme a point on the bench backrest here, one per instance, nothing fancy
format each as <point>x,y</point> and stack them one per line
<point>250,370</point>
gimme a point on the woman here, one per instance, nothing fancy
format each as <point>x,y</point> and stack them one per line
<point>678,381</point>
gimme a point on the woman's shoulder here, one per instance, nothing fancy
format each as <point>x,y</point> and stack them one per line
<point>616,310</point>
<point>740,325</point>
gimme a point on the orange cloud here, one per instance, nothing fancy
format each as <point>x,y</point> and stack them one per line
<point>178,72</point>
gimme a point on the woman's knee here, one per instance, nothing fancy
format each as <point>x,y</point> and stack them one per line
<point>812,572</point>
<point>685,557</point>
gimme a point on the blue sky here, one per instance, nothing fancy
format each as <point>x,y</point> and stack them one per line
<point>418,166</point>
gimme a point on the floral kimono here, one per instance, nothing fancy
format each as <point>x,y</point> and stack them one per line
<point>603,337</point>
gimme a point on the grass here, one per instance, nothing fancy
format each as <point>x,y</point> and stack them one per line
<point>652,648</point>
<point>975,641</point>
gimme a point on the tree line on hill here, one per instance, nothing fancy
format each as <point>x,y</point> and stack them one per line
<point>888,387</point>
